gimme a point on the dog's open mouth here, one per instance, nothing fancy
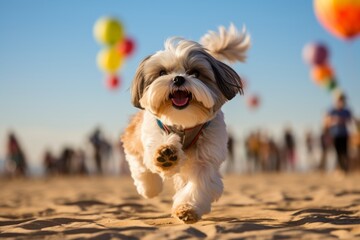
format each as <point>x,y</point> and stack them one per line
<point>180,99</point>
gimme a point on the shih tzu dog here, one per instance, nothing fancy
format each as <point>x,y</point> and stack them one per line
<point>180,132</point>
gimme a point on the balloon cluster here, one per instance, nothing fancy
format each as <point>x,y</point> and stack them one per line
<point>340,17</point>
<point>110,32</point>
<point>317,55</point>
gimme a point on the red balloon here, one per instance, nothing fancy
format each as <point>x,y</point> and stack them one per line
<point>127,47</point>
<point>113,82</point>
<point>253,101</point>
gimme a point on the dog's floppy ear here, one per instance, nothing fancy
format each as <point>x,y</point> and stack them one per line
<point>138,84</point>
<point>228,81</point>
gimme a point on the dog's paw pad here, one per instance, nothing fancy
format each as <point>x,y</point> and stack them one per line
<point>161,159</point>
<point>167,151</point>
<point>186,213</point>
<point>167,164</point>
<point>173,158</point>
<point>166,157</point>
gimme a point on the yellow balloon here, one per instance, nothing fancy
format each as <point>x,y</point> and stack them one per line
<point>109,60</point>
<point>108,31</point>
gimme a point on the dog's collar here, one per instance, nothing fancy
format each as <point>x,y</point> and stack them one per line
<point>188,136</point>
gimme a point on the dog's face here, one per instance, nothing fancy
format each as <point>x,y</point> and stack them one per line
<point>183,85</point>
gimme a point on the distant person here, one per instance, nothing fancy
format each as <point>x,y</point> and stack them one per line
<point>65,161</point>
<point>106,150</point>
<point>357,144</point>
<point>338,117</point>
<point>95,140</point>
<point>274,156</point>
<point>102,149</point>
<point>231,155</point>
<point>252,145</point>
<point>16,158</point>
<point>264,152</point>
<point>49,162</point>
<point>309,145</point>
<point>124,166</point>
<point>325,144</point>
<point>309,142</point>
<point>290,148</point>
<point>79,165</point>
<point>248,152</point>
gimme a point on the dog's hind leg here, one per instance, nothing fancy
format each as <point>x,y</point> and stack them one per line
<point>195,193</point>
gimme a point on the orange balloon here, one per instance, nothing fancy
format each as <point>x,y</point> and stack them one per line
<point>339,17</point>
<point>321,74</point>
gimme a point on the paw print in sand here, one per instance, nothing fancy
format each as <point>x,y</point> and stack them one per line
<point>166,157</point>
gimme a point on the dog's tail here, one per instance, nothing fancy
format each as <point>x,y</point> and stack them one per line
<point>230,45</point>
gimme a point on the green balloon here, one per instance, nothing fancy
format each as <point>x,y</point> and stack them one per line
<point>331,84</point>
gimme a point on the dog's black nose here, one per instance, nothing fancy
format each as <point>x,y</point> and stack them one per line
<point>179,80</point>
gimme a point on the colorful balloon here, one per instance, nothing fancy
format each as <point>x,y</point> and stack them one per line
<point>109,60</point>
<point>108,31</point>
<point>321,73</point>
<point>253,101</point>
<point>331,84</point>
<point>340,17</point>
<point>126,47</point>
<point>315,53</point>
<point>113,82</point>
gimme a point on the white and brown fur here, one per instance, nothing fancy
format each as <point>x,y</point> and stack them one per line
<point>195,171</point>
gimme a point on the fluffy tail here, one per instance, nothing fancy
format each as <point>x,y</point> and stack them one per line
<point>228,44</point>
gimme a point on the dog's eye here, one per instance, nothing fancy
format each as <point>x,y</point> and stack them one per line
<point>162,73</point>
<point>194,73</point>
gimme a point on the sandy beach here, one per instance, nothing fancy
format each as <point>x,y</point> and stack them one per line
<point>285,206</point>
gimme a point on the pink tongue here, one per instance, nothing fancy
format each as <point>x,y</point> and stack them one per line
<point>180,98</point>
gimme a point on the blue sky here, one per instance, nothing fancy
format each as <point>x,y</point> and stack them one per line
<point>52,93</point>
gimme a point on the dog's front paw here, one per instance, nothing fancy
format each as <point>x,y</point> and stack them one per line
<point>166,158</point>
<point>186,213</point>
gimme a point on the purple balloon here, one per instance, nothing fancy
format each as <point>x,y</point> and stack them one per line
<point>315,53</point>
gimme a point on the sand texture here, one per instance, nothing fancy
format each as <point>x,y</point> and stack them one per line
<point>299,206</point>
